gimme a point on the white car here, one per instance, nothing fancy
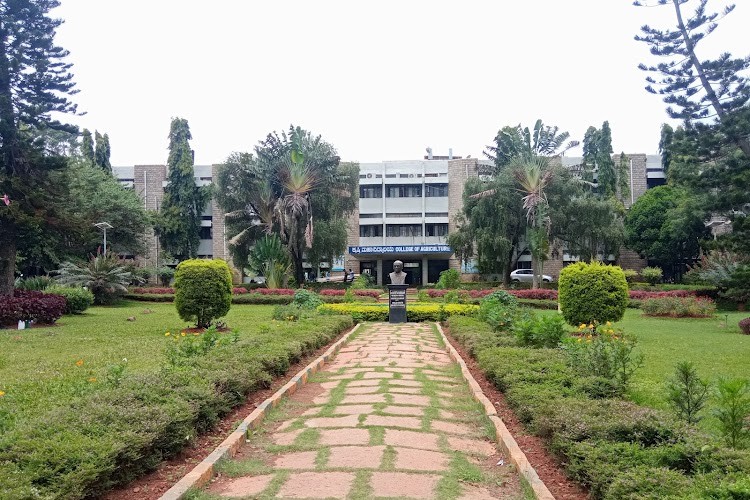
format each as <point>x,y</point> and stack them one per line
<point>527,276</point>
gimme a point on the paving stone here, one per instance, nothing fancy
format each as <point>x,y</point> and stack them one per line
<point>411,439</point>
<point>410,399</point>
<point>484,448</point>
<point>471,492</point>
<point>362,390</point>
<point>357,457</point>
<point>372,375</point>
<point>452,427</point>
<point>245,486</point>
<point>412,459</point>
<point>409,422</point>
<point>404,383</point>
<point>404,410</point>
<point>340,437</point>
<point>285,438</point>
<point>363,398</point>
<point>353,409</point>
<point>365,383</point>
<point>404,390</point>
<point>317,485</point>
<point>402,484</point>
<point>348,421</point>
<point>296,460</point>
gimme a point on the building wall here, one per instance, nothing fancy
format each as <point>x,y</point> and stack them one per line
<point>148,184</point>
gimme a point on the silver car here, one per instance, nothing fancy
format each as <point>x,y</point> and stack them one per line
<point>527,276</point>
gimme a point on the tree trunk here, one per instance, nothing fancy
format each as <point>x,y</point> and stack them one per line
<point>7,258</point>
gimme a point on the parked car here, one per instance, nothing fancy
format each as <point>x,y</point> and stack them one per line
<point>527,276</point>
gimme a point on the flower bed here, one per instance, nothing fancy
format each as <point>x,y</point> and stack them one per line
<point>331,292</point>
<point>415,312</point>
<point>679,307</point>
<point>29,305</point>
<point>235,291</point>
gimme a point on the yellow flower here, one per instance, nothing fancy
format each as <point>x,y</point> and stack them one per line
<point>79,362</point>
<point>2,393</point>
<point>582,326</point>
<point>183,334</point>
<point>579,339</point>
<point>591,325</point>
<point>195,334</point>
<point>167,334</point>
<point>92,379</point>
<point>609,323</point>
<point>610,331</point>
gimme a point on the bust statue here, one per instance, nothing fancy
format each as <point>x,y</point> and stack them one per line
<point>398,276</point>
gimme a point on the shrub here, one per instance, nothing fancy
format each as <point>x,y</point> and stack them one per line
<point>592,293</point>
<point>103,275</point>
<point>362,282</point>
<point>306,299</point>
<point>38,283</point>
<point>630,275</point>
<point>165,275</point>
<point>679,307</point>
<point>449,279</point>
<point>31,305</point>
<point>545,331</point>
<point>203,290</point>
<point>291,312</point>
<point>652,275</point>
<point>733,410</point>
<point>536,294</point>
<point>379,312</point>
<point>744,325</point>
<point>77,299</point>
<point>686,392</point>
<point>499,309</point>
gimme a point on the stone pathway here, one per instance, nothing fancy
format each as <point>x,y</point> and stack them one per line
<point>390,417</point>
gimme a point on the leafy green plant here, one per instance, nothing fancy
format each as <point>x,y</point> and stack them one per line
<point>738,285</point>
<point>499,309</point>
<point>630,275</point>
<point>422,296</point>
<point>78,299</point>
<point>349,295</point>
<point>291,312</point>
<point>362,282</point>
<point>592,293</point>
<point>450,279</point>
<point>733,410</point>
<point>270,258</point>
<point>306,299</point>
<point>544,331</point>
<point>165,275</point>
<point>679,307</point>
<point>39,283</point>
<point>686,392</point>
<point>203,290</point>
<point>183,347</point>
<point>104,275</point>
<point>652,275</point>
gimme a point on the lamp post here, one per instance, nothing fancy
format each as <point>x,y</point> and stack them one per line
<point>104,226</point>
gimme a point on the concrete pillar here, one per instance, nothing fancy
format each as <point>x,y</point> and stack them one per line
<point>424,270</point>
<point>379,269</point>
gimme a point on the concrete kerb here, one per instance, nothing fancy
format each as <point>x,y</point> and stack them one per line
<point>504,437</point>
<point>204,471</point>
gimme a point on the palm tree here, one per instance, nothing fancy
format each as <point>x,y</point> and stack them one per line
<point>103,275</point>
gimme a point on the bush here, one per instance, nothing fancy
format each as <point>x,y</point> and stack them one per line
<point>499,309</point>
<point>362,282</point>
<point>31,305</point>
<point>545,331</point>
<point>104,275</point>
<point>38,283</point>
<point>652,275</point>
<point>686,392</point>
<point>291,312</point>
<point>744,325</point>
<point>78,299</point>
<point>630,275</point>
<point>379,312</point>
<point>592,293</point>
<point>306,299</point>
<point>165,275</point>
<point>449,279</point>
<point>203,290</point>
<point>679,307</point>
<point>733,410</point>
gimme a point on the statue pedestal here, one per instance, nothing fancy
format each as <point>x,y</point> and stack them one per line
<point>397,303</point>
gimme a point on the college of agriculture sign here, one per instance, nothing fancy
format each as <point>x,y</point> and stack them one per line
<point>400,249</point>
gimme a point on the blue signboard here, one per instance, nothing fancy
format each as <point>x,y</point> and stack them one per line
<point>400,249</point>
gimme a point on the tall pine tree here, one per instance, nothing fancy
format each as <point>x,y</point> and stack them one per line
<point>87,147</point>
<point>180,215</point>
<point>101,154</point>
<point>34,82</point>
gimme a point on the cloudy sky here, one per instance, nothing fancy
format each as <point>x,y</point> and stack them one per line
<point>379,80</point>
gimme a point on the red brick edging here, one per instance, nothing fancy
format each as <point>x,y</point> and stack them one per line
<point>204,471</point>
<point>504,438</point>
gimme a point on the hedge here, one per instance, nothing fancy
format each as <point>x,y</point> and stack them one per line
<point>203,290</point>
<point>116,434</point>
<point>416,312</point>
<point>615,448</point>
<point>592,293</point>
<point>31,305</point>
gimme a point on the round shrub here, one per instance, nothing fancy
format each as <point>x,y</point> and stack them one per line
<point>652,275</point>
<point>306,299</point>
<point>499,309</point>
<point>79,299</point>
<point>203,290</point>
<point>449,279</point>
<point>592,293</point>
<point>745,326</point>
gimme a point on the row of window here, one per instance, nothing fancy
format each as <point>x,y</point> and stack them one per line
<point>403,214</point>
<point>402,176</point>
<point>398,230</point>
<point>404,191</point>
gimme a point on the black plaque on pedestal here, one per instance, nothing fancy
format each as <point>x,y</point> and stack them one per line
<point>397,303</point>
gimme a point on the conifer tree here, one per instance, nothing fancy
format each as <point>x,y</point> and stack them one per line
<point>87,147</point>
<point>101,155</point>
<point>180,215</point>
<point>34,82</point>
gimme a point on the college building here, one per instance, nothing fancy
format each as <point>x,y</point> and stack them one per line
<point>406,211</point>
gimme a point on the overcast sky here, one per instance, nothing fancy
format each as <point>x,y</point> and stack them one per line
<point>378,80</point>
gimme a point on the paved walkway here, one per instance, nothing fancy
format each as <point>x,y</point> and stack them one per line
<point>390,417</point>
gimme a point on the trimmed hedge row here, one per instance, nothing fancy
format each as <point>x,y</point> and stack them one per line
<point>235,291</point>
<point>31,305</point>
<point>359,293</point>
<point>416,312</point>
<point>118,433</point>
<point>615,448</point>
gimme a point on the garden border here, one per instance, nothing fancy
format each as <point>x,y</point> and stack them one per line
<point>503,435</point>
<point>204,471</point>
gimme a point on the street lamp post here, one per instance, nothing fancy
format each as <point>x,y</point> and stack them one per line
<point>104,226</point>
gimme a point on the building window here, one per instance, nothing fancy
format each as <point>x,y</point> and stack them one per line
<point>436,229</point>
<point>436,214</point>
<point>390,176</point>
<point>407,191</point>
<point>370,191</point>
<point>403,214</point>
<point>403,230</point>
<point>205,233</point>
<point>436,190</point>
<point>371,231</point>
<point>370,216</point>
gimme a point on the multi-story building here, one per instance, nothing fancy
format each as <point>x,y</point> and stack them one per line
<point>406,211</point>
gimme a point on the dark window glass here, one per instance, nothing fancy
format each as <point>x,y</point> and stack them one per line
<point>436,190</point>
<point>436,229</point>
<point>205,233</point>
<point>370,191</point>
<point>371,230</point>
<point>407,230</point>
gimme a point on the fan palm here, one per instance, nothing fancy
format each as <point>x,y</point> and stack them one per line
<point>103,275</point>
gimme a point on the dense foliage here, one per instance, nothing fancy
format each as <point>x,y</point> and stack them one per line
<point>78,299</point>
<point>104,275</point>
<point>592,293</point>
<point>31,305</point>
<point>203,290</point>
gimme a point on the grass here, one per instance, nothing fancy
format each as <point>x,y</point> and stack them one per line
<point>95,401</point>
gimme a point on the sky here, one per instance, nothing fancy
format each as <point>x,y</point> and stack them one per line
<point>378,80</point>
